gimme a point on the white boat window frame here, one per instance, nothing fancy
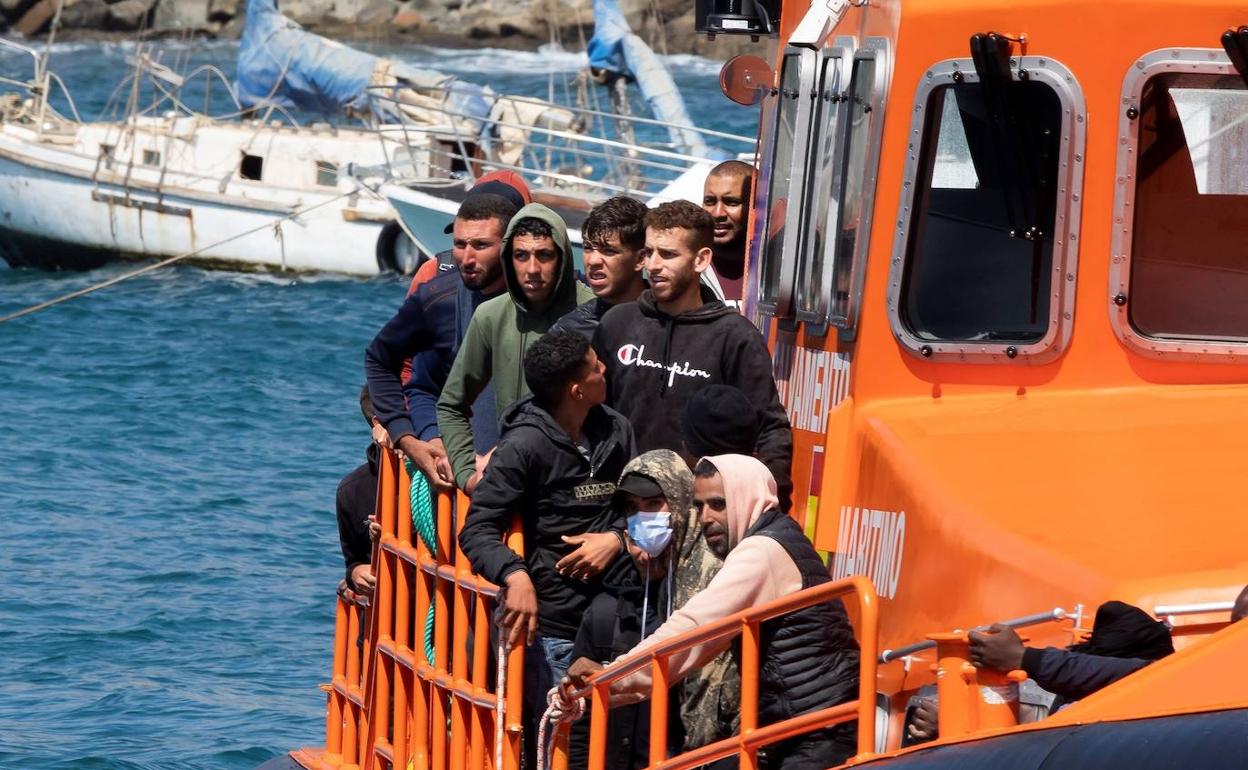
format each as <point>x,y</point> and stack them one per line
<point>823,177</point>
<point>781,304</point>
<point>1211,61</point>
<point>1065,257</point>
<point>325,170</point>
<point>876,48</point>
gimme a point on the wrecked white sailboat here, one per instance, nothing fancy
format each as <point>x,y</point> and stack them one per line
<point>244,190</point>
<point>167,181</point>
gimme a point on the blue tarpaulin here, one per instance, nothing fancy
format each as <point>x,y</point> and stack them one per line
<point>606,47</point>
<point>280,62</point>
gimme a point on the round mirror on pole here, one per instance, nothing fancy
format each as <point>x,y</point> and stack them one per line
<point>745,79</point>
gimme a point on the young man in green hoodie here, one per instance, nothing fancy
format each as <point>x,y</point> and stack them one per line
<point>541,288</point>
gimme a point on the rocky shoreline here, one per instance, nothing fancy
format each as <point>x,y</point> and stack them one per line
<point>518,24</point>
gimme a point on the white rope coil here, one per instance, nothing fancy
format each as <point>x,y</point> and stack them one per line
<point>557,713</point>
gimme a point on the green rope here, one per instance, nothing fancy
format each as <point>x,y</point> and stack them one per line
<point>423,521</point>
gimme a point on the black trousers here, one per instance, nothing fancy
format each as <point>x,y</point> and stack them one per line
<point>819,750</point>
<point>815,751</point>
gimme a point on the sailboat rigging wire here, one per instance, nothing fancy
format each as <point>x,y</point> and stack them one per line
<point>171,260</point>
<point>53,77</point>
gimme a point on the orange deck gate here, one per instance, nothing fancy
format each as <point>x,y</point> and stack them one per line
<point>387,699</point>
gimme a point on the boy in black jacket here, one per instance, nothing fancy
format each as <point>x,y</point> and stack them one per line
<point>677,338</point>
<point>557,461</point>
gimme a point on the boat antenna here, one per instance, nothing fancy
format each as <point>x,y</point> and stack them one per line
<point>658,32</point>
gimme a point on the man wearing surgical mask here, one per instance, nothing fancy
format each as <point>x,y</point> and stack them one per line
<point>653,496</point>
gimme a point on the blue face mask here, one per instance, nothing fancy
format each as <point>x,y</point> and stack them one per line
<point>650,531</point>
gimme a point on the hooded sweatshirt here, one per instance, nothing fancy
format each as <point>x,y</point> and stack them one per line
<point>756,570</point>
<point>540,474</point>
<point>622,584</point>
<point>613,623</point>
<point>498,336</point>
<point>656,362</point>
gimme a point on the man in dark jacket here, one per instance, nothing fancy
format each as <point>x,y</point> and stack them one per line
<point>677,339</point>
<point>614,234</point>
<point>431,324</point>
<point>355,501</point>
<point>556,465</point>
<point>1124,640</point>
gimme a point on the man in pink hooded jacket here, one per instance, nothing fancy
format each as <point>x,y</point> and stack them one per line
<point>808,658</point>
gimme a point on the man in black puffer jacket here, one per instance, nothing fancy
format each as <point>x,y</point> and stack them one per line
<point>558,459</point>
<point>808,658</point>
<point>677,338</point>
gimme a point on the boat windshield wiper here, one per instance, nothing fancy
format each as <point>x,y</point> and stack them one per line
<point>1020,162</point>
<point>1006,117</point>
<point>1235,43</point>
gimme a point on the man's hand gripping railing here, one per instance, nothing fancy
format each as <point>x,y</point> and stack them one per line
<point>752,737</point>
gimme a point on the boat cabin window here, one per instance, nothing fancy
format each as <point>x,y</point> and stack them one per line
<point>776,257</point>
<point>986,236</point>
<point>326,173</point>
<point>845,158</point>
<point>151,157</point>
<point>862,155</point>
<point>453,156</point>
<point>251,167</point>
<point>1189,263</point>
<point>827,176</point>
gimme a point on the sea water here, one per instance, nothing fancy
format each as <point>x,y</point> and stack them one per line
<point>169,452</point>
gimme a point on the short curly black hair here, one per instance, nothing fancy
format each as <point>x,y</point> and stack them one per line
<point>551,363</point>
<point>539,228</point>
<point>622,215</point>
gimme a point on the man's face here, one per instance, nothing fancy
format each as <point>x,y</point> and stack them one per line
<point>477,247</point>
<point>535,258</point>
<point>672,264</point>
<point>726,198</point>
<point>610,267</point>
<point>712,508</point>
<point>592,384</point>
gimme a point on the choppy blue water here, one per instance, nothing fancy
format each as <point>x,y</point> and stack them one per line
<point>169,450</point>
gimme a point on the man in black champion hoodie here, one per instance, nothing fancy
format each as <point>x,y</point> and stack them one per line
<point>677,338</point>
<point>558,458</point>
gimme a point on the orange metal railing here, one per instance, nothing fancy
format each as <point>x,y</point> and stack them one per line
<point>392,708</point>
<point>752,736</point>
<point>389,705</point>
